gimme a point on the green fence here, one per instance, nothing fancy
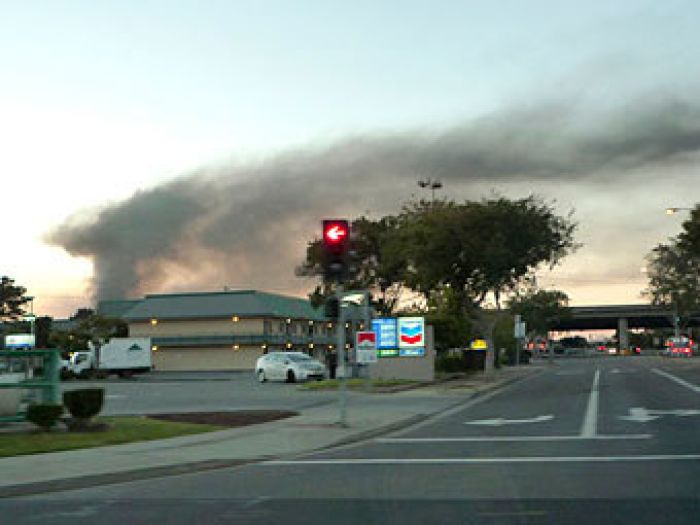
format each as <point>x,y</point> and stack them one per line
<point>48,383</point>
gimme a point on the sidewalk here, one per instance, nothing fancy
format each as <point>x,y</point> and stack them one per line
<point>316,428</point>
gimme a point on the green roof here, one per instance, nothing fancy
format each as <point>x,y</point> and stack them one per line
<point>210,305</point>
<point>117,308</point>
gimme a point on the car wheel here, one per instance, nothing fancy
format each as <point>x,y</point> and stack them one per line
<point>291,378</point>
<point>261,376</point>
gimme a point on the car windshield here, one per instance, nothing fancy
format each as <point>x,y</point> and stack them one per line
<point>407,261</point>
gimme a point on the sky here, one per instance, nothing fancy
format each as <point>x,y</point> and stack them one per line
<point>154,146</point>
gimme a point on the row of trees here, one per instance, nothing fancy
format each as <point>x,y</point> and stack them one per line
<point>465,262</point>
<point>87,325</point>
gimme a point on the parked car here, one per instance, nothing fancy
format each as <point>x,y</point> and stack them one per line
<point>288,366</point>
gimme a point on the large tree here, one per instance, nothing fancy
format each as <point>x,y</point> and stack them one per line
<point>481,250</point>
<point>12,299</point>
<point>542,310</point>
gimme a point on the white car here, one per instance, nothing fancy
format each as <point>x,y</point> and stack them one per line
<point>288,366</point>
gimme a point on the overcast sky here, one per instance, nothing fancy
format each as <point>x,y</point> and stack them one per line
<point>152,146</point>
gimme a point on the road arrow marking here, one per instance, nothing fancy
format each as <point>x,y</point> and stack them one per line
<point>497,422</point>
<point>643,415</point>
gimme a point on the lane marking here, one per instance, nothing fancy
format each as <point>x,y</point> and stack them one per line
<point>677,380</point>
<point>589,427</point>
<point>482,460</point>
<point>514,439</point>
<point>460,407</point>
<point>115,396</point>
<point>643,415</point>
<point>514,513</point>
<point>497,422</point>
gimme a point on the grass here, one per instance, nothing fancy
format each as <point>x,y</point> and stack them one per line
<point>356,384</point>
<point>122,430</point>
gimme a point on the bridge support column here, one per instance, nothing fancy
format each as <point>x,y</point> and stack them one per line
<point>623,333</point>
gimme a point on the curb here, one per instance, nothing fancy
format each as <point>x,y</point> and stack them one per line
<point>83,482</point>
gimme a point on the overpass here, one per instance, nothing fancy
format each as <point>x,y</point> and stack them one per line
<point>621,318</point>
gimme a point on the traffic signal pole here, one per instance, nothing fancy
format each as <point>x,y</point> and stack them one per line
<point>335,239</point>
<point>343,401</point>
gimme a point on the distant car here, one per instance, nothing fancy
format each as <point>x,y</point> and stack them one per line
<point>288,366</point>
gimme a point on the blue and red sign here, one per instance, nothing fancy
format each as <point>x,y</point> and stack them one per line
<point>411,332</point>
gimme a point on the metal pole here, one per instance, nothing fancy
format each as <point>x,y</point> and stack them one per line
<point>341,358</point>
<point>368,326</point>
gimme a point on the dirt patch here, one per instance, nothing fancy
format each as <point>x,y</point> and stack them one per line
<point>239,418</point>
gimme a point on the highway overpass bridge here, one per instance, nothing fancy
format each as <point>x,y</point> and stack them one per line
<point>621,318</point>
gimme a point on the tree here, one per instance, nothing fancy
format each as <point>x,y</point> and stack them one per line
<point>12,298</point>
<point>451,328</point>
<point>542,310</point>
<point>482,250</point>
<point>673,271</point>
<point>89,327</point>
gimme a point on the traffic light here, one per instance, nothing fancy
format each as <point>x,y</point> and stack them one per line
<point>336,241</point>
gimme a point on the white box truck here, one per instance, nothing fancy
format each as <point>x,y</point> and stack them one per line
<point>123,356</point>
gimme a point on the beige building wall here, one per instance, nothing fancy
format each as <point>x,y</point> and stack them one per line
<point>200,327</point>
<point>202,358</point>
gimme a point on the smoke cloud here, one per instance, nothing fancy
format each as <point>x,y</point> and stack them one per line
<point>246,225</point>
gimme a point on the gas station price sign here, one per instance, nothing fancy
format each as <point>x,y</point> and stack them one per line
<point>386,329</point>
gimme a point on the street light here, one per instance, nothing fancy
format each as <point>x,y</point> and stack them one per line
<point>433,185</point>
<point>676,209</point>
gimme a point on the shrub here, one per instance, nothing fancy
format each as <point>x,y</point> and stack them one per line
<point>84,403</point>
<point>44,416</point>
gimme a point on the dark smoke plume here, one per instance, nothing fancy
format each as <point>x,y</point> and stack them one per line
<point>246,226</point>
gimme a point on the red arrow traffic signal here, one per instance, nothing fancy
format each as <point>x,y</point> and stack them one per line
<point>335,232</point>
<point>336,242</point>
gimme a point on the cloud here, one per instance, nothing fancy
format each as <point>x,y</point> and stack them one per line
<point>245,225</point>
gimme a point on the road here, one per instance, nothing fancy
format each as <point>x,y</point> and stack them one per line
<point>604,440</point>
<point>200,393</point>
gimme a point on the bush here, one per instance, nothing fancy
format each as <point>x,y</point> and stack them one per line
<point>467,361</point>
<point>44,416</point>
<point>84,403</point>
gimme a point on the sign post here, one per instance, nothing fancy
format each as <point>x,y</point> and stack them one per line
<point>366,347</point>
<point>519,336</point>
<point>366,352</point>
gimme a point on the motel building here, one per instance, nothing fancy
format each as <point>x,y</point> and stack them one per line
<point>226,330</point>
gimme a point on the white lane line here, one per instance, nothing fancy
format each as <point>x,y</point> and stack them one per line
<point>590,420</point>
<point>513,439</point>
<point>678,380</point>
<point>467,461</point>
<point>497,422</point>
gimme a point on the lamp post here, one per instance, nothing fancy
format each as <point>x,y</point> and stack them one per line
<point>432,184</point>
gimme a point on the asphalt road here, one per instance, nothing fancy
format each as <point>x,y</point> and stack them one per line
<point>606,440</point>
<point>167,393</point>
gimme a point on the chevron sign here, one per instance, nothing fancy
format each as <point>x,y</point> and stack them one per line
<point>411,332</point>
